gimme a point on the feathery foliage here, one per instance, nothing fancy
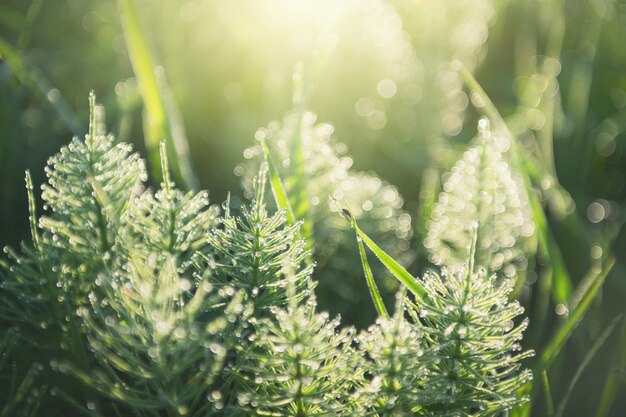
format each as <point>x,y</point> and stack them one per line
<point>469,322</point>
<point>251,251</point>
<point>481,187</point>
<point>456,354</point>
<point>397,365</point>
<point>170,221</point>
<point>156,347</point>
<point>299,364</point>
<point>327,173</point>
<point>148,303</point>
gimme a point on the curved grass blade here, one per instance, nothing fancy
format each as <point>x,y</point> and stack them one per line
<point>391,264</point>
<point>565,331</point>
<point>561,285</point>
<point>371,284</point>
<point>613,380</point>
<point>583,365</point>
<point>553,348</point>
<point>548,393</point>
<point>161,119</point>
<point>281,197</point>
<point>32,211</point>
<point>278,189</point>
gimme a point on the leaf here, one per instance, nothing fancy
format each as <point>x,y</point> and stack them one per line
<point>561,336</point>
<point>613,379</point>
<point>565,331</point>
<point>371,284</point>
<point>391,264</point>
<point>161,118</point>
<point>32,211</point>
<point>278,189</point>
<point>583,365</point>
<point>561,282</point>
<point>548,393</point>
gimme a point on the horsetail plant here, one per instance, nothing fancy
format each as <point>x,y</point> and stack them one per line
<point>481,187</point>
<point>467,334</point>
<point>149,303</point>
<point>250,252</point>
<point>300,139</point>
<point>299,364</point>
<point>396,365</point>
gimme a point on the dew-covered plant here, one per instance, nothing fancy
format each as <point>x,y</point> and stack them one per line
<point>250,252</point>
<point>470,324</point>
<point>316,169</point>
<point>396,365</point>
<point>482,188</point>
<point>451,350</point>
<point>299,364</point>
<point>130,301</point>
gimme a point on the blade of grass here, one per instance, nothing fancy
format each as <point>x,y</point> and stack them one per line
<point>304,84</point>
<point>565,331</point>
<point>583,365</point>
<point>371,284</point>
<point>278,189</point>
<point>160,119</point>
<point>296,178</point>
<point>561,286</point>
<point>391,264</point>
<point>613,379</point>
<point>553,348</point>
<point>548,393</point>
<point>427,197</point>
<point>281,197</point>
<point>32,211</point>
<point>38,84</point>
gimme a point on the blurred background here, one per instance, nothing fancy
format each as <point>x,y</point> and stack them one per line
<point>386,77</point>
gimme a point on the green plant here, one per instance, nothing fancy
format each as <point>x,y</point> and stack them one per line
<point>299,364</point>
<point>483,188</point>
<point>314,170</point>
<point>157,304</point>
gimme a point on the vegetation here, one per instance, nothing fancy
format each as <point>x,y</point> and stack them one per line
<point>134,295</point>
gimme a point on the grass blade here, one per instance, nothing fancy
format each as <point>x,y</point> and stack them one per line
<point>613,379</point>
<point>296,177</point>
<point>583,365</point>
<point>40,86</point>
<point>161,120</point>
<point>371,284</point>
<point>278,189</point>
<point>391,264</point>
<point>561,285</point>
<point>32,211</point>
<point>565,331</point>
<point>553,348</point>
<point>281,197</point>
<point>548,393</point>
